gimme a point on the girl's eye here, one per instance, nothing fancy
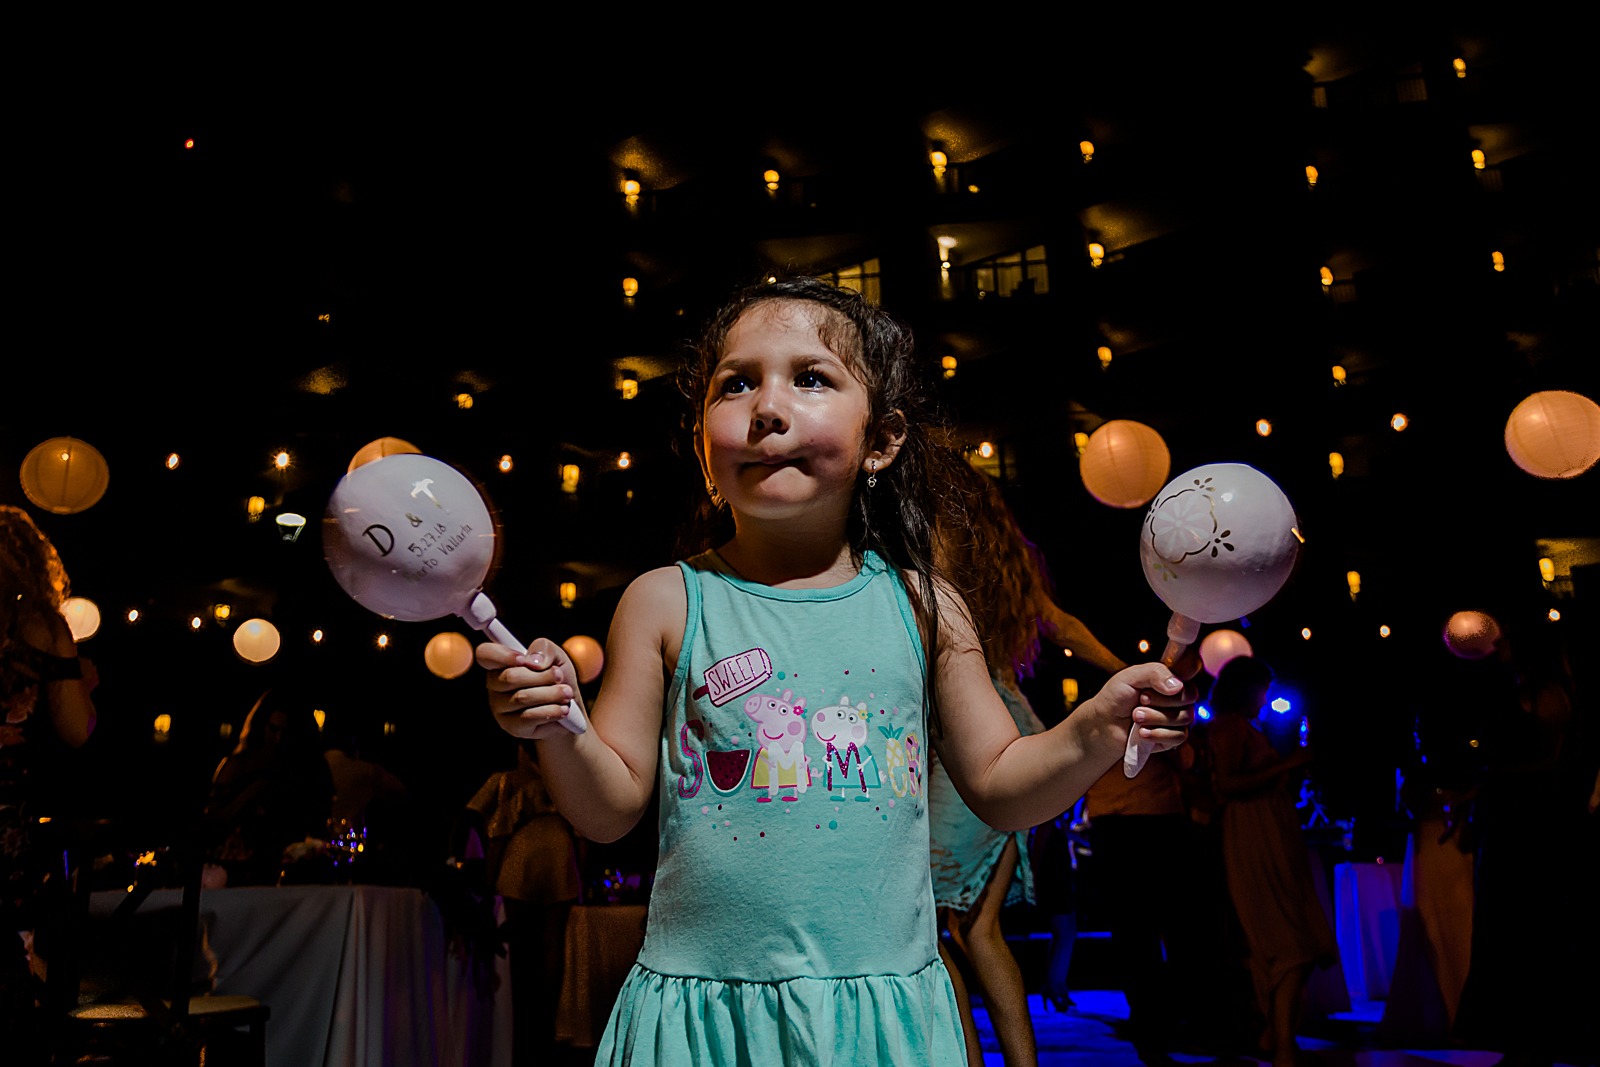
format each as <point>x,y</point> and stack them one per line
<point>736,383</point>
<point>810,379</point>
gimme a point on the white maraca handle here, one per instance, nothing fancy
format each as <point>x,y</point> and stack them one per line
<point>481,614</point>
<point>1181,633</point>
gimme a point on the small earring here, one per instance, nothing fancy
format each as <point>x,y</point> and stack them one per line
<point>711,491</point>
<point>872,475</point>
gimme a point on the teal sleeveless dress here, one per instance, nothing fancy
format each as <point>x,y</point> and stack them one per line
<point>791,920</point>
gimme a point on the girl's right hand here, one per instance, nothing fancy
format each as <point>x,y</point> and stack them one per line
<point>530,692</point>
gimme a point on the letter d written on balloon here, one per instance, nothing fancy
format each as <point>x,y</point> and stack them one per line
<point>379,542</point>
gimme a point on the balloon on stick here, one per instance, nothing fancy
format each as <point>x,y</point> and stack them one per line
<point>1217,543</point>
<point>409,537</point>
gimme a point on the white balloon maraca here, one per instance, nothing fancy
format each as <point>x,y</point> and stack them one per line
<point>1217,543</point>
<point>410,537</point>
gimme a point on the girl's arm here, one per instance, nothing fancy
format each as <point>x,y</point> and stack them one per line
<point>72,712</point>
<point>1013,782</point>
<point>601,780</point>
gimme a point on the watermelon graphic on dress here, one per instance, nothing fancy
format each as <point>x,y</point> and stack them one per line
<point>726,768</point>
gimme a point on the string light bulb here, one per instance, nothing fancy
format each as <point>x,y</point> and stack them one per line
<point>1097,253</point>
<point>1336,463</point>
<point>1547,569</point>
<point>1087,148</point>
<point>1311,176</point>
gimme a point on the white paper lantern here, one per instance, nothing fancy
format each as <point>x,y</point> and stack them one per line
<point>448,654</point>
<point>587,656</point>
<point>65,475</point>
<point>83,617</point>
<point>256,640</point>
<point>1219,646</point>
<point>1554,434</point>
<point>1124,463</point>
<point>1471,634</point>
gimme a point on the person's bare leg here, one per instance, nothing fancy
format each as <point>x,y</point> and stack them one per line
<point>995,966</point>
<point>969,1028</point>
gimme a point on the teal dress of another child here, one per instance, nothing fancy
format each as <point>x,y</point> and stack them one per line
<point>792,918</point>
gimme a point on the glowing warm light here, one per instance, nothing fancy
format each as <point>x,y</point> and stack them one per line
<point>569,477</point>
<point>1087,148</point>
<point>1104,352</point>
<point>1553,615</point>
<point>464,401</point>
<point>1311,174</point>
<point>172,461</point>
<point>220,612</point>
<point>587,656</point>
<point>1067,652</point>
<point>945,243</point>
<point>1124,463</point>
<point>938,159</point>
<point>377,449</point>
<point>1080,441</point>
<point>1353,580</point>
<point>770,176</point>
<point>1547,570</point>
<point>256,640</point>
<point>949,363</point>
<point>1305,634</point>
<point>321,717</point>
<point>1219,646</point>
<point>1326,274</point>
<point>630,287</point>
<point>1097,253</point>
<point>1336,463</point>
<point>254,507</point>
<point>195,622</point>
<point>505,463</point>
<point>1498,260</point>
<point>1399,422</point>
<point>1339,377</point>
<point>65,475</point>
<point>324,317</point>
<point>1263,428</point>
<point>163,723</point>
<point>1459,65</point>
<point>630,388</point>
<point>389,729</point>
<point>448,654</point>
<point>624,461</point>
<point>630,187</point>
<point>1069,690</point>
<point>986,449</point>
<point>133,614</point>
<point>569,594</point>
<point>1554,434</point>
<point>1471,634</point>
<point>1477,159</point>
<point>972,189</point>
<point>225,729</point>
<point>1384,631</point>
<point>316,637</point>
<point>383,640</point>
<point>281,461</point>
<point>83,617</point>
<point>188,142</point>
<point>1144,646</point>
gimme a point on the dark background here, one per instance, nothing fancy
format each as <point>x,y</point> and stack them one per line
<point>461,226</point>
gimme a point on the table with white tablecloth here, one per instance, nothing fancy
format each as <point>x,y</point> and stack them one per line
<point>354,975</point>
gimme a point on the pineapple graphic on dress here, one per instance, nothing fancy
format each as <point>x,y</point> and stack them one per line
<point>894,758</point>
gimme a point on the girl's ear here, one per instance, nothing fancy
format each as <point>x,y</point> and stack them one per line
<point>885,442</point>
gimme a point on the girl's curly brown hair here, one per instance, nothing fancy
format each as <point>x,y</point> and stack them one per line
<point>32,577</point>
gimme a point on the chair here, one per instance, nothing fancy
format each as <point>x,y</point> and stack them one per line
<point>135,1001</point>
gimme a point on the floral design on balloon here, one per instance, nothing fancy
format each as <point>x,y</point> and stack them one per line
<point>1184,524</point>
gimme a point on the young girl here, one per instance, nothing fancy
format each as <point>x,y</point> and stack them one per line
<point>781,692</point>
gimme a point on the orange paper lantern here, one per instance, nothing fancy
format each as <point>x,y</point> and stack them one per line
<point>587,656</point>
<point>65,475</point>
<point>1219,646</point>
<point>256,640</point>
<point>448,654</point>
<point>1471,634</point>
<point>1554,434</point>
<point>1125,463</point>
<point>383,446</point>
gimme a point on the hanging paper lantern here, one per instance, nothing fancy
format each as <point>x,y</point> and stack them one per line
<point>383,446</point>
<point>448,654</point>
<point>256,640</point>
<point>1124,463</point>
<point>1554,434</point>
<point>1219,646</point>
<point>1471,634</point>
<point>83,617</point>
<point>65,475</point>
<point>587,656</point>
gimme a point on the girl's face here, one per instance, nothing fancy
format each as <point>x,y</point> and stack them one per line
<point>785,420</point>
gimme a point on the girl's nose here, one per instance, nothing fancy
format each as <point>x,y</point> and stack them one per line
<point>769,415</point>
